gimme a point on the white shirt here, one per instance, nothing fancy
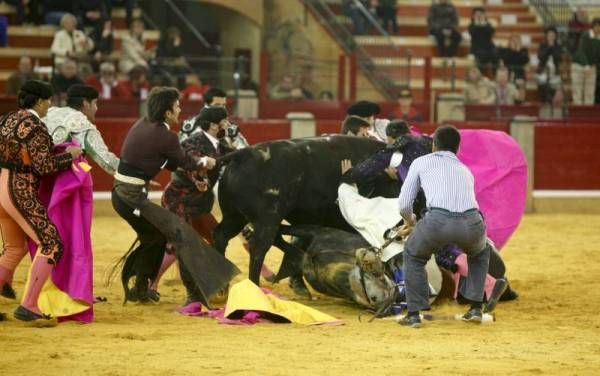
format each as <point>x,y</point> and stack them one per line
<point>213,140</point>
<point>447,183</point>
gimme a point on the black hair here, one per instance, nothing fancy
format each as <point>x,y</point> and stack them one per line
<point>353,124</point>
<point>446,138</point>
<point>596,21</point>
<point>79,93</point>
<point>397,128</point>
<point>210,115</point>
<point>549,29</point>
<point>160,100</point>
<point>477,9</point>
<point>32,91</point>
<point>211,93</point>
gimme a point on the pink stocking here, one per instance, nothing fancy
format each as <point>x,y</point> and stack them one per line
<point>40,272</point>
<point>463,270</point>
<point>167,261</point>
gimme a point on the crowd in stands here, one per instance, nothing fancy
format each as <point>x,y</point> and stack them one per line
<point>83,51</point>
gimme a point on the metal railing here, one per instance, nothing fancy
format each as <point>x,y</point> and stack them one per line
<point>347,42</point>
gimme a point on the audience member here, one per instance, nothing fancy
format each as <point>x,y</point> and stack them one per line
<point>137,86</point>
<point>70,42</point>
<point>92,13</point>
<point>506,92</point>
<point>67,77</point>
<point>286,89</point>
<point>22,75</point>
<point>127,4</point>
<point>170,57</point>
<point>405,110</point>
<point>326,95</point>
<point>194,89</point>
<point>479,89</point>
<point>442,22</point>
<point>482,45</point>
<point>352,10</point>
<point>103,43</point>
<point>548,75</point>
<point>515,58</point>
<point>386,11</point>
<point>54,10</point>
<point>106,82</point>
<point>133,49</point>
<point>27,11</point>
<point>584,66</point>
<point>578,25</point>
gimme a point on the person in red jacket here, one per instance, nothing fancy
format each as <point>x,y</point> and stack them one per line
<point>106,82</point>
<point>137,86</point>
<point>194,89</point>
<point>405,110</point>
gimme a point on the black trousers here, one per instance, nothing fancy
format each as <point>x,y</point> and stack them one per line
<point>145,260</point>
<point>447,45</point>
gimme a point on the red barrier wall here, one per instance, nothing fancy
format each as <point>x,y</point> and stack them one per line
<point>566,156</point>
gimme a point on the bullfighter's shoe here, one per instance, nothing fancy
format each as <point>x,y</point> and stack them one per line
<point>473,315</point>
<point>8,292</point>
<point>413,321</point>
<point>35,319</point>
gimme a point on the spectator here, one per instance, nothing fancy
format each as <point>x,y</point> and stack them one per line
<point>578,25</point>
<point>548,75</point>
<point>478,89</point>
<point>70,43</point>
<point>386,10</point>
<point>286,89</point>
<point>32,8</point>
<point>194,89</point>
<point>506,92</point>
<point>405,110</point>
<point>482,46</point>
<point>103,43</point>
<point>106,82</point>
<point>54,10</point>
<point>352,10</point>
<point>24,74</point>
<point>67,77</point>
<point>169,56</point>
<point>137,86</point>
<point>133,50</point>
<point>442,21</point>
<point>92,13</point>
<point>515,58</point>
<point>127,4</point>
<point>584,66</point>
<point>326,95</point>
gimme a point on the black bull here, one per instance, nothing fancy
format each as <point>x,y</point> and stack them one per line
<point>294,180</point>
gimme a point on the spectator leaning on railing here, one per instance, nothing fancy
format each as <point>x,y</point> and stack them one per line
<point>478,89</point>
<point>506,92</point>
<point>17,79</point>
<point>442,21</point>
<point>584,66</point>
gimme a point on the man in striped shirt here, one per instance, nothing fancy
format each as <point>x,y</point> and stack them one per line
<point>452,217</point>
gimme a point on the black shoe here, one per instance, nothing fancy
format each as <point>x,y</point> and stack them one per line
<point>2,316</point>
<point>40,321</point>
<point>499,288</point>
<point>8,292</point>
<point>413,321</point>
<point>473,315</point>
<point>153,295</point>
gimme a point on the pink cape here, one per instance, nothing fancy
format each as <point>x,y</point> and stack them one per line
<point>68,196</point>
<point>500,170</point>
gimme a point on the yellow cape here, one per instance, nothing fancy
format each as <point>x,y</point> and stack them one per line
<point>246,296</point>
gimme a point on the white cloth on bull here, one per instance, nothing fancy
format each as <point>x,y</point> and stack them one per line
<point>371,217</point>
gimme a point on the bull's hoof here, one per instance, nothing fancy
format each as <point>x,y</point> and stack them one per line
<point>299,287</point>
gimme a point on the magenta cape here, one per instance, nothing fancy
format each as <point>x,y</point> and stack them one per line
<point>68,196</point>
<point>500,170</point>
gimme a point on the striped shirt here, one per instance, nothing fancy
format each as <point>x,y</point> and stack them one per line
<point>446,181</point>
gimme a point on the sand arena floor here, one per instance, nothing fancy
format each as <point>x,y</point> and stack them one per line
<point>553,262</point>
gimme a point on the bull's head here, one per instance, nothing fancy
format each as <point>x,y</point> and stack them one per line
<point>371,287</point>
